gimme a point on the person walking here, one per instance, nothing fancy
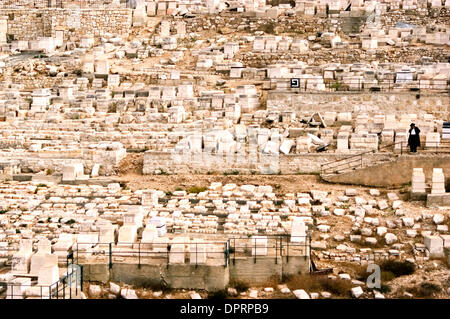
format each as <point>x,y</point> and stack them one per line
<point>414,138</point>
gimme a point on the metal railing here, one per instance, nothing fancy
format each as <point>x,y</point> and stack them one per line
<point>141,252</point>
<point>67,287</point>
<point>277,246</point>
<point>361,85</point>
<point>357,160</point>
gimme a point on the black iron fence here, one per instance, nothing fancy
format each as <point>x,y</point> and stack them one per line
<point>361,85</point>
<point>276,246</point>
<point>142,252</point>
<point>69,286</point>
<point>223,252</point>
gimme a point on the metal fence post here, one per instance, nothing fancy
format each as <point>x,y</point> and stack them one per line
<point>254,253</point>
<point>276,250</point>
<point>81,280</point>
<point>305,245</point>
<point>281,248</point>
<point>287,253</point>
<point>139,255</point>
<point>167,254</point>
<point>234,251</point>
<point>224,255</point>
<point>70,284</point>
<point>110,255</point>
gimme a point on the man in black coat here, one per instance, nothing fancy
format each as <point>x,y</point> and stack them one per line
<point>414,138</point>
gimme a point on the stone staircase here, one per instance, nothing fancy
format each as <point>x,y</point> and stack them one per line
<point>388,169</point>
<point>357,164</point>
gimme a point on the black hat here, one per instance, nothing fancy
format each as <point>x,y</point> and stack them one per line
<point>412,124</point>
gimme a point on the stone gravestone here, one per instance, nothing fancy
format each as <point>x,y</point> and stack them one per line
<point>64,243</point>
<point>435,246</point>
<point>3,29</point>
<point>49,272</point>
<point>21,260</point>
<point>149,234</point>
<point>134,216</point>
<point>438,181</point>
<point>165,28</point>
<point>177,250</point>
<point>160,223</point>
<point>149,199</point>
<point>259,245</point>
<point>298,232</point>
<point>86,241</point>
<point>160,244</point>
<point>418,181</point>
<point>37,260</point>
<point>127,235</point>
<point>107,234</point>
<point>198,251</point>
<point>181,29</point>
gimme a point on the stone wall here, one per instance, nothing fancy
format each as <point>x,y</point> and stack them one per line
<point>187,276</point>
<point>436,104</point>
<point>284,164</point>
<point>54,3</point>
<point>32,23</point>
<point>382,176</point>
<point>55,161</point>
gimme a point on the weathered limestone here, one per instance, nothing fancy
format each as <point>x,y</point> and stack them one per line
<point>39,258</point>
<point>435,246</point>
<point>177,250</point>
<point>298,233</point>
<point>22,259</point>
<point>127,235</point>
<point>438,181</point>
<point>259,245</point>
<point>418,181</point>
<point>49,272</point>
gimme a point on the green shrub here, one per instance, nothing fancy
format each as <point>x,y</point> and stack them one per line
<point>70,222</point>
<point>197,189</point>
<point>336,85</point>
<point>387,276</point>
<point>268,28</point>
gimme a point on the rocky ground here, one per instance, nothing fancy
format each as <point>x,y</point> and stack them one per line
<point>430,278</point>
